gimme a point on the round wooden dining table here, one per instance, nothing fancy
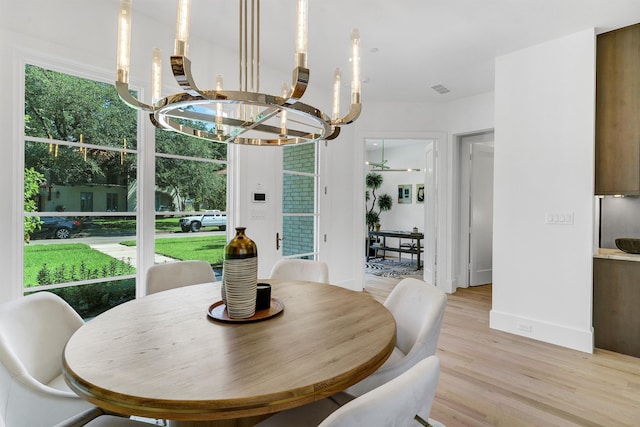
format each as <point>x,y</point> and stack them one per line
<point>163,356</point>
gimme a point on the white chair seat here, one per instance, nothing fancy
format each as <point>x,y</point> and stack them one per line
<point>96,417</point>
<point>396,356</point>
<point>59,383</point>
<point>113,421</point>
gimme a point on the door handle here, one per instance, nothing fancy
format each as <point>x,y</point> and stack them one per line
<point>278,240</point>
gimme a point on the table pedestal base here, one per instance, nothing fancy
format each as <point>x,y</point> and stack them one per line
<point>235,422</point>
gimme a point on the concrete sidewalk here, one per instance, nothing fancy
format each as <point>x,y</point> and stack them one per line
<point>125,253</point>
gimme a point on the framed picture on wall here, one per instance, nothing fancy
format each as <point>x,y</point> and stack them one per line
<point>404,193</point>
<point>419,193</point>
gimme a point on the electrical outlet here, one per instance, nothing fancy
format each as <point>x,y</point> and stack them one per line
<point>524,327</point>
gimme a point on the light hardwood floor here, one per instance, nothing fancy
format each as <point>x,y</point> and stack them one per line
<point>492,378</point>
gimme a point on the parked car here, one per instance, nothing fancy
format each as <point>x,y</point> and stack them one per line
<point>207,219</point>
<point>57,227</point>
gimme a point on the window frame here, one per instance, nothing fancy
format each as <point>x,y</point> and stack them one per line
<point>61,65</point>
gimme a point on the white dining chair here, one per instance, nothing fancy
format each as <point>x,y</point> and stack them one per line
<point>170,275</point>
<point>300,269</point>
<point>33,332</point>
<point>404,401</point>
<point>418,309</point>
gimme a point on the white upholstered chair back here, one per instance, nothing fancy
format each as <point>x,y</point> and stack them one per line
<point>395,403</point>
<point>33,332</point>
<point>300,269</point>
<point>161,277</point>
<point>418,309</point>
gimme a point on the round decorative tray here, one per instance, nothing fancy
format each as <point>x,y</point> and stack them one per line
<point>218,311</point>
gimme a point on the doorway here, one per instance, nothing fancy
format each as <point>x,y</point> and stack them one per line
<point>410,165</point>
<point>476,208</point>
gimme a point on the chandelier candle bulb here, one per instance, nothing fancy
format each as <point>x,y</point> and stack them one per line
<point>124,41</point>
<point>283,114</point>
<point>156,75</point>
<point>355,66</point>
<point>337,81</point>
<point>182,28</point>
<point>219,111</point>
<point>301,33</point>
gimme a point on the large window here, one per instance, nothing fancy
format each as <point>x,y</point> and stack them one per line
<point>80,161</point>
<point>81,194</point>
<point>191,184</point>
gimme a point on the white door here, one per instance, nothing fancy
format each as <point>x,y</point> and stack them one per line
<point>481,215</point>
<point>430,215</point>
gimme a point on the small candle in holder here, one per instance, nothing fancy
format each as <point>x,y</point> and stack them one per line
<point>263,297</point>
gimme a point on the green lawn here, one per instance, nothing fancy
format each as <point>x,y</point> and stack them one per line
<point>210,248</point>
<point>47,264</point>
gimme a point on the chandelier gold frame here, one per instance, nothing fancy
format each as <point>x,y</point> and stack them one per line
<point>245,116</point>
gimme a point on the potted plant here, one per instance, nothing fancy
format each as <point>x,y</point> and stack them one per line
<point>383,202</point>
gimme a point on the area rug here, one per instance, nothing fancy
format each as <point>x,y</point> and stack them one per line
<point>391,268</point>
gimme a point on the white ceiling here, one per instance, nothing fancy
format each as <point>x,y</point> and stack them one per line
<point>407,45</point>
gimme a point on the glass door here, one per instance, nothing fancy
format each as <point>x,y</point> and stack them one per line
<point>299,202</point>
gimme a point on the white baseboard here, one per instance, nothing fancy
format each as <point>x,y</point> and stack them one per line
<point>576,339</point>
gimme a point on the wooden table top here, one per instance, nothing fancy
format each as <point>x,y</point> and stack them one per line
<point>162,356</point>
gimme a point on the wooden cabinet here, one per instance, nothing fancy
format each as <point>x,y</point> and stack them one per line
<point>617,151</point>
<point>616,305</point>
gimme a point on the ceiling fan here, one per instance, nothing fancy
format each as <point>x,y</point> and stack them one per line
<point>382,166</point>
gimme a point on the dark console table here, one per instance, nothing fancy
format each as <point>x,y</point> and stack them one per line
<point>414,248</point>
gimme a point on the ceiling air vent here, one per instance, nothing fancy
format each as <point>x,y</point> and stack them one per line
<point>441,89</point>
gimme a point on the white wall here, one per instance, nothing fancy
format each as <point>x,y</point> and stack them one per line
<point>8,214</point>
<point>544,144</point>
<point>467,116</point>
<point>403,216</point>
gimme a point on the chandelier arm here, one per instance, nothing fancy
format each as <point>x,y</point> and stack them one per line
<point>299,84</point>
<point>123,91</point>
<point>181,68</point>
<point>352,115</point>
<point>334,134</point>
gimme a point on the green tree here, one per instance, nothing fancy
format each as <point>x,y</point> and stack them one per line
<point>68,108</point>
<point>204,182</point>
<point>32,181</point>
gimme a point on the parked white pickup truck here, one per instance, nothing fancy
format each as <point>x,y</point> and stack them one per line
<point>207,219</point>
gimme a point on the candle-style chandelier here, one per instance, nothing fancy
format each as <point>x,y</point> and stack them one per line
<point>245,116</point>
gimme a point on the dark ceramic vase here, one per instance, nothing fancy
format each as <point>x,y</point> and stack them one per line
<point>240,275</point>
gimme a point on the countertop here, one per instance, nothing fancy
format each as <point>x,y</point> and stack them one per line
<point>615,254</point>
